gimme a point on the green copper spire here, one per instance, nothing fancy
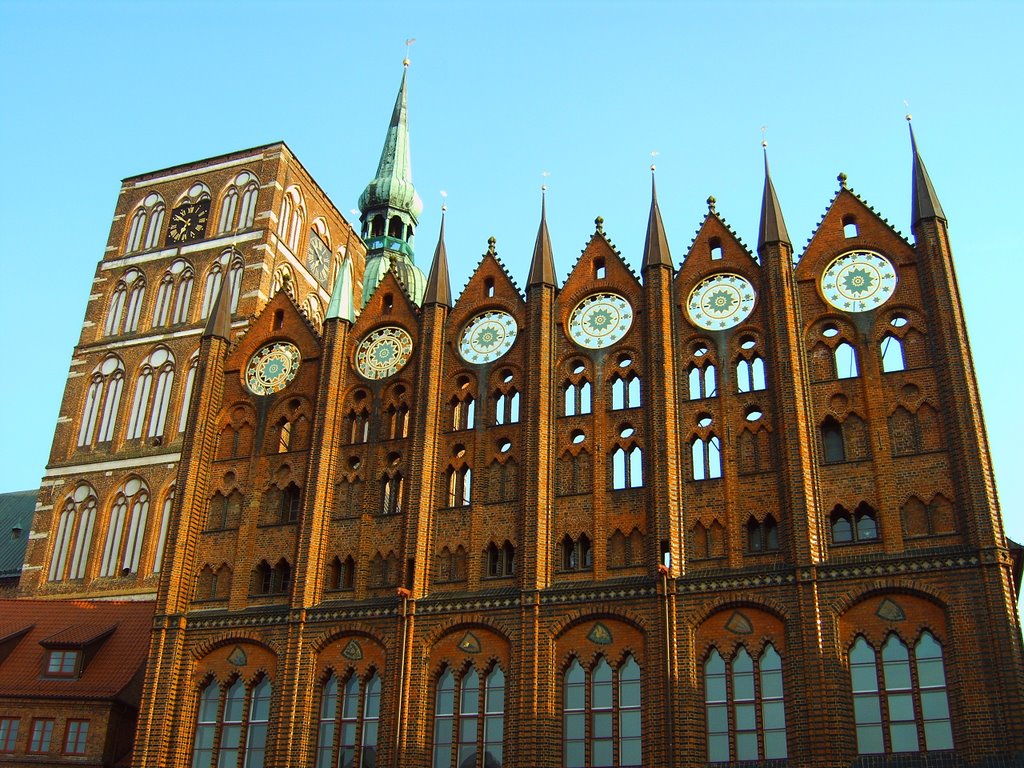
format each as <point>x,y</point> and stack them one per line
<point>390,209</point>
<point>341,297</point>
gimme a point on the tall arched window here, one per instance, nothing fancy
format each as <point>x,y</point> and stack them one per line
<point>186,390</point>
<point>750,374</point>
<point>476,716</point>
<point>151,403</point>
<point>577,397</point>
<point>460,483</point>
<point>702,382</point>
<point>102,400</point>
<point>289,224</point>
<point>898,710</point>
<point>627,467</point>
<point>349,730</point>
<point>165,522</point>
<point>845,358</point>
<point>73,540</point>
<point>231,724</point>
<point>595,720</point>
<point>891,350</point>
<point>126,529</point>
<point>706,455</point>
<point>744,707</point>
<point>215,275</point>
<point>626,392</point>
<point>152,211</point>
<point>174,293</point>
<point>126,304</point>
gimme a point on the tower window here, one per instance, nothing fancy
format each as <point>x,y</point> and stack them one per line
<point>715,246</point>
<point>856,528</point>
<point>849,226</point>
<point>706,455</point>
<point>577,554</point>
<point>845,357</point>
<point>832,441</point>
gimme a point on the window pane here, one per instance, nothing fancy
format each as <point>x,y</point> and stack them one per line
<point>575,754</point>
<point>467,756</point>
<point>631,753</point>
<point>869,739</point>
<point>718,719</point>
<point>903,737</point>
<point>718,748</point>
<point>575,726</point>
<point>901,707</point>
<point>602,725</point>
<point>601,754</point>
<point>930,673</point>
<point>746,746</point>
<point>494,730</point>
<point>773,714</point>
<point>938,735</point>
<point>775,745</point>
<point>745,720</point>
<point>629,724</point>
<point>867,710</point>
<point>934,705</point>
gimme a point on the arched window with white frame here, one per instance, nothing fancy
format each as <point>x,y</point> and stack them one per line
<point>238,205</point>
<point>165,522</point>
<point>152,395</point>
<point>187,389</point>
<point>126,304</point>
<point>102,400</point>
<point>126,529</point>
<point>150,211</point>
<point>289,224</point>
<point>214,277</point>
<point>174,296</point>
<point>73,540</point>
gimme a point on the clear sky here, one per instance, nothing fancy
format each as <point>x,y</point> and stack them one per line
<point>96,91</point>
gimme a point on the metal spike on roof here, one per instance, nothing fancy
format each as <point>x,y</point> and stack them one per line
<point>219,322</point>
<point>341,305</point>
<point>438,290</point>
<point>924,203</point>
<point>542,268</point>
<point>656,250</point>
<point>773,226</point>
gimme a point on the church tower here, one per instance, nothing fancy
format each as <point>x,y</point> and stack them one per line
<point>390,209</point>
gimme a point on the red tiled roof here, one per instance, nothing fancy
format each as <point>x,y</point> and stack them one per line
<point>118,661</point>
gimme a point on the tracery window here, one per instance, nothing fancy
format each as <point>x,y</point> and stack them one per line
<point>750,374</point>
<point>391,493</point>
<point>272,580</point>
<point>463,412</point>
<point>348,729</point>
<point>744,706</point>
<point>165,521</point>
<point>905,708</point>
<point>289,224</point>
<point>626,392</point>
<point>460,481</point>
<point>187,389</point>
<point>151,403</point>
<point>500,560</point>
<point>627,467</point>
<point>358,426</point>
<point>225,511</point>
<point>231,724</point>
<point>601,714</point>
<point>174,292</point>
<point>73,540</point>
<point>469,726</point>
<point>152,211</point>
<point>577,554</point>
<point>126,304</point>
<point>341,574</point>
<point>506,406</point>
<point>398,421</point>
<point>762,536</point>
<point>244,187</point>
<point>706,457</point>
<point>126,529</point>
<point>859,527</point>
<point>102,400</point>
<point>213,280</point>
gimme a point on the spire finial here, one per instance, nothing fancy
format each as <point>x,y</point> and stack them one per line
<point>599,224</point>
<point>542,265</point>
<point>773,226</point>
<point>656,251</point>
<point>492,249</point>
<point>711,203</point>
<point>408,44</point>
<point>841,178</point>
<point>924,203</point>
<point>438,288</point>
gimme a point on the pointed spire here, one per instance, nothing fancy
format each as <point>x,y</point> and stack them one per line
<point>924,202</point>
<point>341,306</point>
<point>773,226</point>
<point>656,250</point>
<point>542,268</point>
<point>438,290</point>
<point>219,322</point>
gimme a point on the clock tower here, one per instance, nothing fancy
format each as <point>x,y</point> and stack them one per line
<point>390,209</point>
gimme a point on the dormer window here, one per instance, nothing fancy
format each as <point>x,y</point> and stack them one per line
<point>63,663</point>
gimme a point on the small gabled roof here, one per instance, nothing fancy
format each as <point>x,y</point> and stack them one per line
<point>542,267</point>
<point>656,250</point>
<point>924,203</point>
<point>438,289</point>
<point>78,636</point>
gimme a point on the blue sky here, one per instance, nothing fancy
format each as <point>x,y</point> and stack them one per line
<point>499,93</point>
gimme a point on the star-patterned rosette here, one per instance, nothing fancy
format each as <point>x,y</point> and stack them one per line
<point>721,302</point>
<point>272,368</point>
<point>487,337</point>
<point>383,353</point>
<point>858,281</point>
<point>600,320</point>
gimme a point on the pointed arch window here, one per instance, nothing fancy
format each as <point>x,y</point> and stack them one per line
<point>891,350</point>
<point>601,714</point>
<point>474,717</point>
<point>750,374</point>
<point>126,529</point>
<point>187,390</point>
<point>165,521</point>
<point>833,447</point>
<point>174,295</point>
<point>358,426</point>
<point>349,718</point>
<point>744,706</point>
<point>151,403</point>
<point>626,392</point>
<point>391,492</point>
<point>762,536</point>
<point>151,211</point>
<point>126,304</point>
<point>702,381</point>
<point>506,406</point>
<point>102,400</point>
<point>463,412</point>
<point>213,280</point>
<point>706,458</point>
<point>627,467</point>
<point>289,225</point>
<point>500,560</point>
<point>231,724</point>
<point>243,187</point>
<point>459,486</point>
<point>73,540</point>
<point>577,397</point>
<point>906,707</point>
<point>845,359</point>
<point>859,527</point>
<point>577,554</point>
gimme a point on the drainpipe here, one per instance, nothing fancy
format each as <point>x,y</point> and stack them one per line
<point>403,624</point>
<point>664,572</point>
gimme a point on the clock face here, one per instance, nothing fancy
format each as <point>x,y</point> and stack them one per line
<point>487,337</point>
<point>720,302</point>
<point>272,368</point>
<point>600,320</point>
<point>188,222</point>
<point>858,281</point>
<point>383,353</point>
<point>318,258</point>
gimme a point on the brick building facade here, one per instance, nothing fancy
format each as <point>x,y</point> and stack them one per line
<point>738,511</point>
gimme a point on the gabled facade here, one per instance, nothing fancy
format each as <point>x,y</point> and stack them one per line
<point>738,511</point>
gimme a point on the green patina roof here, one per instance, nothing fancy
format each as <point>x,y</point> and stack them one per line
<point>392,187</point>
<point>408,274</point>
<point>16,510</point>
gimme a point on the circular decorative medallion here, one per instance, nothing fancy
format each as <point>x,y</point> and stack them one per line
<point>858,281</point>
<point>383,353</point>
<point>272,368</point>
<point>600,320</point>
<point>487,337</point>
<point>720,302</point>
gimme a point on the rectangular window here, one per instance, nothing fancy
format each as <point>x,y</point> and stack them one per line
<point>76,737</point>
<point>62,663</point>
<point>42,734</point>
<point>8,733</point>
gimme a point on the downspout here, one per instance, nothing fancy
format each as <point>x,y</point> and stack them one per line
<point>403,624</point>
<point>664,572</point>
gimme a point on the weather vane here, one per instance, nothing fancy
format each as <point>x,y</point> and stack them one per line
<point>764,141</point>
<point>544,175</point>
<point>444,201</point>
<point>408,45</point>
<point>654,154</point>
<point>906,106</point>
